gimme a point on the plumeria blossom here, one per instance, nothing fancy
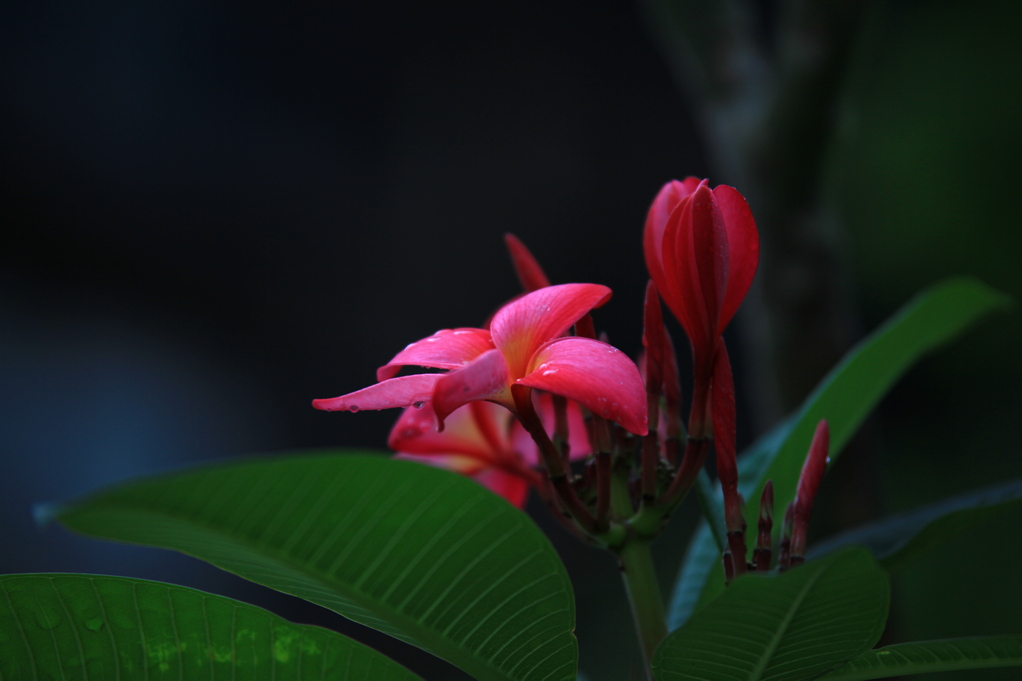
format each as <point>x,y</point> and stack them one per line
<point>482,440</point>
<point>523,346</point>
<point>701,249</point>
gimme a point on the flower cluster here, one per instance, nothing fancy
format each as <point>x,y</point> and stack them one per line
<point>516,402</point>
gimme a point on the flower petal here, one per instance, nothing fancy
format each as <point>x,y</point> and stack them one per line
<point>743,249</point>
<point>415,432</point>
<point>667,199</point>
<point>512,487</point>
<point>465,465</point>
<point>445,349</point>
<point>683,294</point>
<point>485,378</point>
<point>594,374</point>
<point>403,391</point>
<point>668,281</point>
<point>578,437</point>
<point>521,326</point>
<point>709,248</point>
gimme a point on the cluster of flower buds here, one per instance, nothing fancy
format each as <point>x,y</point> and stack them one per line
<point>520,399</point>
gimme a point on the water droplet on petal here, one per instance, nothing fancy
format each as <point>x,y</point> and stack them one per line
<point>549,372</point>
<point>353,408</point>
<point>419,404</point>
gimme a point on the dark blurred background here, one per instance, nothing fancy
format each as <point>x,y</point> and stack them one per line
<point>214,213</point>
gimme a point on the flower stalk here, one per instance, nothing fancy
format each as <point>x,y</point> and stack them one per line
<point>639,575</point>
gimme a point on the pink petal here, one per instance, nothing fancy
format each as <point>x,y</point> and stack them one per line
<point>594,374</point>
<point>445,349</point>
<point>494,422</point>
<point>710,257</point>
<point>743,249</point>
<point>666,202</point>
<point>521,326</point>
<point>667,199</point>
<point>416,433</point>
<point>464,465</point>
<point>485,378</point>
<point>578,438</point>
<point>512,487</point>
<point>530,274</point>
<point>681,290</point>
<point>403,391</point>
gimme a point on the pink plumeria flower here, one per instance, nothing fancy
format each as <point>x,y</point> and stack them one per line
<point>482,440</point>
<point>522,347</point>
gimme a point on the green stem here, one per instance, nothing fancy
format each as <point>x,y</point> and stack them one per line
<point>644,595</point>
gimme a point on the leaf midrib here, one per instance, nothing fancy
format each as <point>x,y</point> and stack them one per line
<point>775,641</point>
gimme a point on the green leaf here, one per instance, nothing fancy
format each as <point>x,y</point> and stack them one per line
<point>853,388</point>
<point>94,627</point>
<point>845,397</point>
<point>921,657</point>
<point>693,589</point>
<point>900,541</point>
<point>784,628</point>
<point>425,555</point>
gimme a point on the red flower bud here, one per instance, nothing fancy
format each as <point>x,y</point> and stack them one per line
<point>702,249</point>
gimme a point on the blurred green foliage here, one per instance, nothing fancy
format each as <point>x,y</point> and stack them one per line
<point>926,176</point>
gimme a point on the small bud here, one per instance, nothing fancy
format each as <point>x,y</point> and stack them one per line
<point>762,554</point>
<point>808,484</point>
<point>530,274</point>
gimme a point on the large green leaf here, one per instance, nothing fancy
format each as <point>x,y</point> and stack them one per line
<point>784,628</point>
<point>423,554</point>
<point>899,541</point>
<point>921,657</point>
<point>853,388</point>
<point>845,398</point>
<point>105,628</point>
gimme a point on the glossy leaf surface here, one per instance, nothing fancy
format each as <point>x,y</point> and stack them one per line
<point>783,628</point>
<point>845,397</point>
<point>419,553</point>
<point>848,394</point>
<point>105,628</point>
<point>923,657</point>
